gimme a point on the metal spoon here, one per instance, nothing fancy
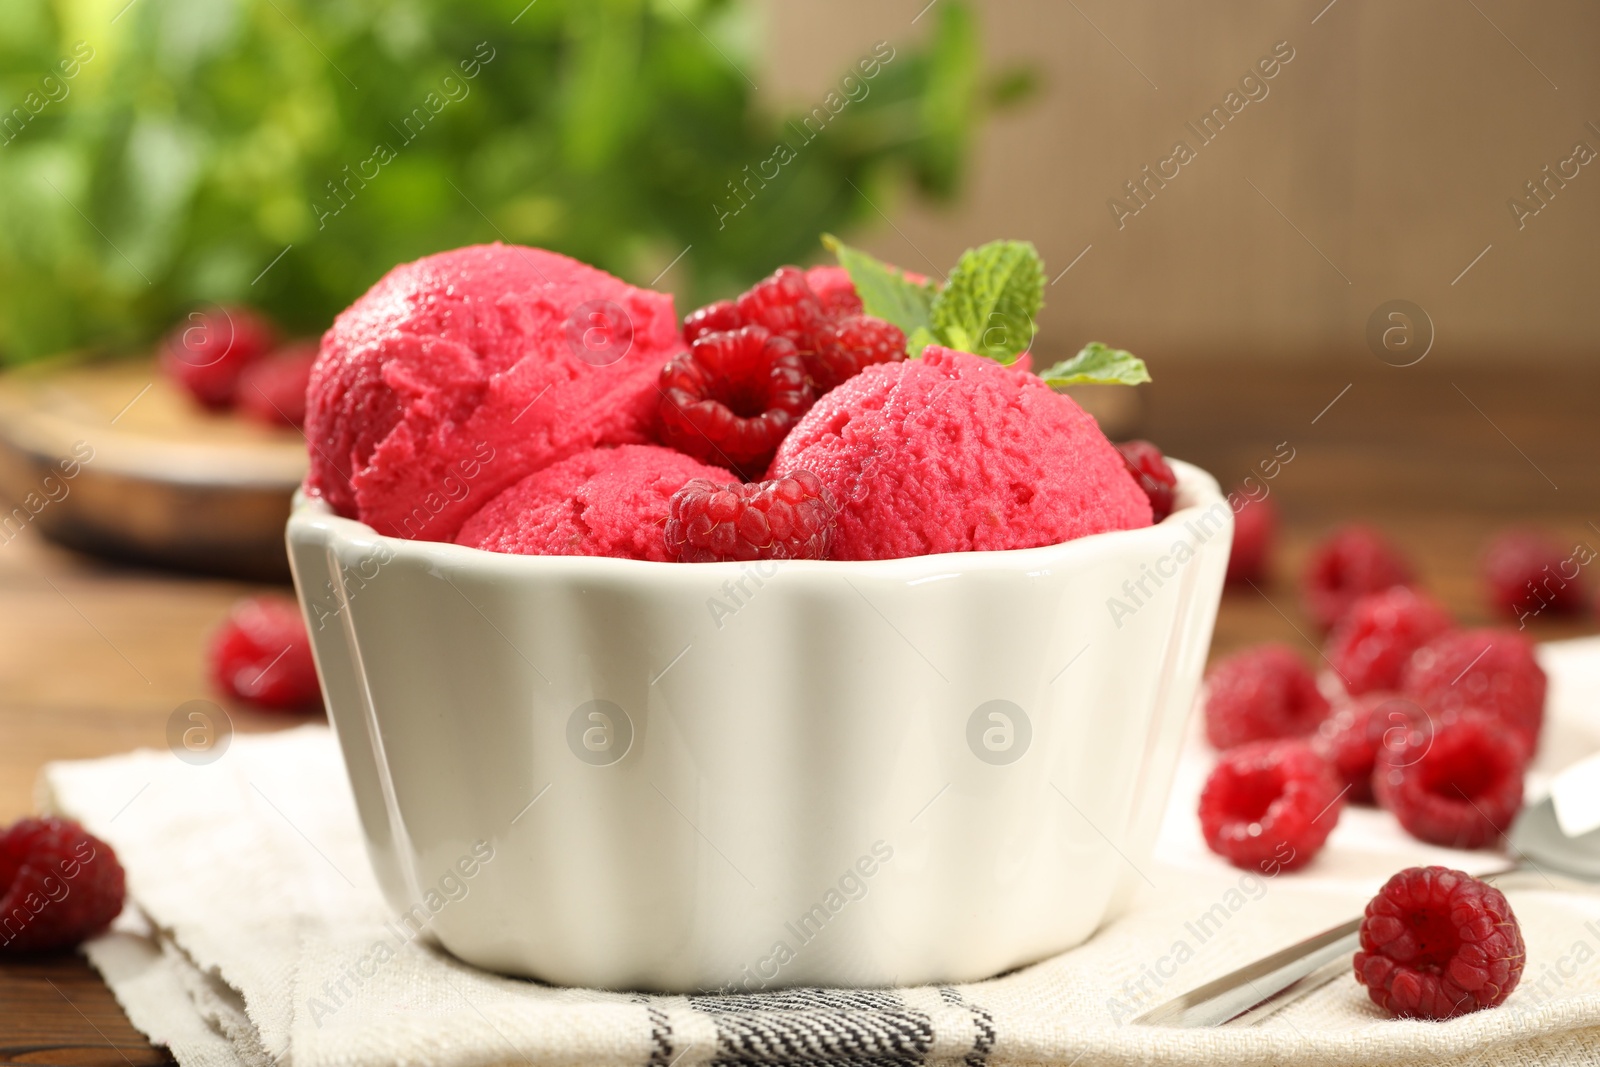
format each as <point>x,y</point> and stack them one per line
<point>1254,991</point>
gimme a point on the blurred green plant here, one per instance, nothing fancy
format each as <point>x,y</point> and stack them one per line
<point>165,153</point>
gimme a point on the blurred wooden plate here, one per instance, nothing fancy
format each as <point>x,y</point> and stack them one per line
<point>166,483</point>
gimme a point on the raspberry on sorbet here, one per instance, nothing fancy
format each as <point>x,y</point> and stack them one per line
<point>720,317</point>
<point>1154,475</point>
<point>784,304</point>
<point>785,518</point>
<point>733,397</point>
<point>850,345</point>
<point>827,327</point>
<point>835,291</point>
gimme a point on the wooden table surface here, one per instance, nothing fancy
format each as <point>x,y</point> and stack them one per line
<point>94,657</point>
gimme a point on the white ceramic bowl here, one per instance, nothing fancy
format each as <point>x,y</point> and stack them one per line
<point>611,773</point>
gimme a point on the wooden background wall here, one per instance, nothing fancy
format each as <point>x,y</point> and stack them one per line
<point>1378,167</point>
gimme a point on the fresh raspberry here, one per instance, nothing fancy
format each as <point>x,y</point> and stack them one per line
<point>835,291</point>
<point>1270,804</point>
<point>1526,573</point>
<point>1488,670</point>
<point>1454,782</point>
<point>1150,469</point>
<point>732,397</point>
<point>1437,943</point>
<point>273,390</point>
<point>1255,523</point>
<point>832,336</point>
<point>1352,562</point>
<point>786,518</point>
<point>853,344</point>
<point>59,885</point>
<point>786,306</point>
<point>720,317</point>
<point>1262,693</point>
<point>1370,646</point>
<point>262,654</point>
<point>1350,738</point>
<point>208,352</point>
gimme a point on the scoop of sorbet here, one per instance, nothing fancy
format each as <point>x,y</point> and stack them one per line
<point>604,502</point>
<point>461,373</point>
<point>953,453</point>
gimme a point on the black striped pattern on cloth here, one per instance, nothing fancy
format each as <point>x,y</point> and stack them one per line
<point>982,1021</point>
<point>661,1053</point>
<point>794,1027</point>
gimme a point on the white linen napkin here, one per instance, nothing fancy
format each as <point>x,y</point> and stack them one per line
<point>258,936</point>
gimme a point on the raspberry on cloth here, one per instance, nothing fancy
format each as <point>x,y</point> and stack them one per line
<point>1262,693</point>
<point>1270,805</point>
<point>1370,647</point>
<point>1438,943</point>
<point>1483,670</point>
<point>1350,738</point>
<point>1348,564</point>
<point>1455,781</point>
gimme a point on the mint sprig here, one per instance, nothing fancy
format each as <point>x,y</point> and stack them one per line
<point>988,306</point>
<point>886,293</point>
<point>1097,363</point>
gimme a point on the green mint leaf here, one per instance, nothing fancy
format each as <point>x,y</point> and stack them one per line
<point>885,291</point>
<point>919,339</point>
<point>955,336</point>
<point>1100,364</point>
<point>989,305</point>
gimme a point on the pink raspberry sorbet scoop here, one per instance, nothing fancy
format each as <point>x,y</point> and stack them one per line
<point>604,502</point>
<point>463,372</point>
<point>952,453</point>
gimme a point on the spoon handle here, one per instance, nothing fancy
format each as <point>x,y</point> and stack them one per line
<point>1234,993</point>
